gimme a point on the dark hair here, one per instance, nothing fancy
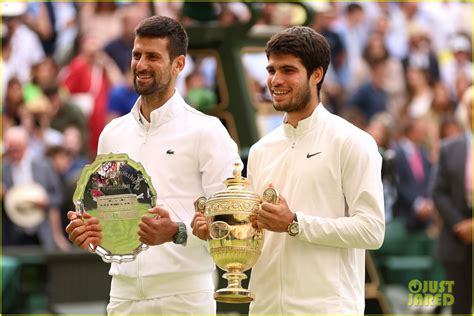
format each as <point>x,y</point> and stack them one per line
<point>306,44</point>
<point>165,27</point>
<point>353,7</point>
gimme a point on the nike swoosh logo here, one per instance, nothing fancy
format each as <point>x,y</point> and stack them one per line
<point>311,155</point>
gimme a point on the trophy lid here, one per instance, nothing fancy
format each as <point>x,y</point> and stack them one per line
<point>237,186</point>
<point>237,182</point>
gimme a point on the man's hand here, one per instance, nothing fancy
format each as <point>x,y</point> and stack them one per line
<point>158,229</point>
<point>425,209</point>
<point>463,230</point>
<point>275,217</point>
<point>199,226</point>
<point>83,233</point>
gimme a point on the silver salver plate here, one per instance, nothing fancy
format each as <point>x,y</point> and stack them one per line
<point>118,192</point>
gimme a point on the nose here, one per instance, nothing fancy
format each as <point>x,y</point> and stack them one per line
<point>276,79</point>
<point>140,64</point>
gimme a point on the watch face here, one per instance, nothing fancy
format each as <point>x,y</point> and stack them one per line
<point>180,240</point>
<point>293,229</point>
<point>182,236</point>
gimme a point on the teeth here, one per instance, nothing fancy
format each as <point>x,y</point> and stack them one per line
<point>280,92</point>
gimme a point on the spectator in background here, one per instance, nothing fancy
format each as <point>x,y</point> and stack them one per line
<point>43,74</point>
<point>13,107</point>
<point>419,93</point>
<point>18,169</point>
<point>441,107</point>
<point>99,15</point>
<point>39,128</point>
<point>62,112</point>
<point>88,79</point>
<point>332,91</point>
<point>420,52</point>
<point>402,16</point>
<point>122,97</point>
<point>413,169</point>
<point>459,66</point>
<point>74,142</point>
<point>61,160</point>
<point>21,46</point>
<point>449,127</point>
<point>41,18</point>
<point>198,95</point>
<point>447,18</point>
<point>381,128</point>
<point>452,194</point>
<point>120,48</point>
<point>353,30</point>
<point>371,98</point>
<point>393,81</point>
<point>55,24</point>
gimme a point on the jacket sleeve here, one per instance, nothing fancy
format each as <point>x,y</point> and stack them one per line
<point>217,153</point>
<point>364,223</point>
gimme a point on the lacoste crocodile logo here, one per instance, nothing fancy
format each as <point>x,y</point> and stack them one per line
<point>170,152</point>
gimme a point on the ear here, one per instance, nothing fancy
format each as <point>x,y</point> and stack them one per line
<point>316,76</point>
<point>178,63</point>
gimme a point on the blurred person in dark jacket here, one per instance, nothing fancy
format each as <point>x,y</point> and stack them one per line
<point>413,169</point>
<point>452,194</point>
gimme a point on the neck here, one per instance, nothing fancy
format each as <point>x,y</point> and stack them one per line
<point>149,103</point>
<point>293,118</point>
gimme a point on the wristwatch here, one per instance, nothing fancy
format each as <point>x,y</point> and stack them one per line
<point>181,236</point>
<point>294,228</point>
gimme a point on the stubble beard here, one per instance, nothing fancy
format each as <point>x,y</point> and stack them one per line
<point>299,104</point>
<point>154,87</point>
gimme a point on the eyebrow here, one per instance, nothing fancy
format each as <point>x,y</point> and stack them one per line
<point>270,67</point>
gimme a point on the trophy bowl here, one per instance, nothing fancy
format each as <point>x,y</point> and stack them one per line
<point>235,245</point>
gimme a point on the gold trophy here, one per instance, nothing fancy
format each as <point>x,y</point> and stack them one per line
<point>234,243</point>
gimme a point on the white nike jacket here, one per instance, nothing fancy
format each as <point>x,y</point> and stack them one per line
<point>329,172</point>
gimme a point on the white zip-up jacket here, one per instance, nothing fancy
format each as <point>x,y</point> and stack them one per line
<point>187,155</point>
<point>329,172</point>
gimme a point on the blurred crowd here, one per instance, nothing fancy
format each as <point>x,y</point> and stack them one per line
<point>399,70</point>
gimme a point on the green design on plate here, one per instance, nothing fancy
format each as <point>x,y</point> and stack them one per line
<point>116,190</point>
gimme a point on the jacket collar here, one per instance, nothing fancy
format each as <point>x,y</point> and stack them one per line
<point>305,125</point>
<point>163,114</point>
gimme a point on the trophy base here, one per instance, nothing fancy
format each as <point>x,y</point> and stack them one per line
<point>237,296</point>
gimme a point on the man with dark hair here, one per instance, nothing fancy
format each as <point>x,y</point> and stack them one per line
<point>328,174</point>
<point>187,154</point>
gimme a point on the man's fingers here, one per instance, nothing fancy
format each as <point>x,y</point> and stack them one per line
<point>203,231</point>
<point>86,238</point>
<point>266,213</point>
<point>161,212</point>
<point>144,240</point>
<point>146,228</point>
<point>198,217</point>
<point>77,232</point>
<point>72,215</point>
<point>92,220</point>
<point>262,224</point>
<point>94,227</point>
